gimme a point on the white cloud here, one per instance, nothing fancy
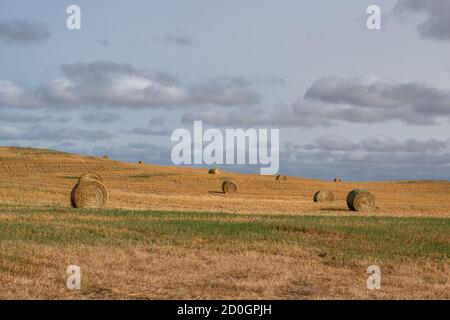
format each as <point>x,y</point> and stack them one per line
<point>363,100</point>
<point>109,84</point>
<point>15,96</point>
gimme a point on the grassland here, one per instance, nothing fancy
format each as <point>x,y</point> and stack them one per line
<point>151,254</point>
<point>165,235</point>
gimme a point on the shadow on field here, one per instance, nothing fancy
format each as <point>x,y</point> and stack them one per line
<point>217,193</point>
<point>334,209</point>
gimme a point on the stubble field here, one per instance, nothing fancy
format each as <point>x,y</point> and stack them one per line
<point>169,232</point>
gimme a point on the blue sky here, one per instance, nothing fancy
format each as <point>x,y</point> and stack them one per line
<point>349,102</point>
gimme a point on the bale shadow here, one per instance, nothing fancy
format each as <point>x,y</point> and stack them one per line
<point>216,193</point>
<point>334,209</point>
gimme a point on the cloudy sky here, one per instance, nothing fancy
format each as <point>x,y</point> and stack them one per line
<point>349,102</point>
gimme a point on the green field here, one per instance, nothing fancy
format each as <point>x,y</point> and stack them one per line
<point>385,238</point>
<point>333,248</point>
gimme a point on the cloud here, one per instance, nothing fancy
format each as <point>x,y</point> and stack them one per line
<point>437,23</point>
<point>10,133</point>
<point>378,143</point>
<point>277,117</point>
<point>38,133</point>
<point>372,158</point>
<point>151,131</point>
<point>15,117</point>
<point>179,39</point>
<point>332,143</point>
<point>103,42</point>
<point>109,84</point>
<point>156,127</point>
<point>223,91</point>
<point>12,95</point>
<point>374,100</point>
<point>332,100</point>
<point>64,134</point>
<point>156,120</point>
<point>387,144</point>
<point>101,118</point>
<point>17,31</point>
<point>243,118</point>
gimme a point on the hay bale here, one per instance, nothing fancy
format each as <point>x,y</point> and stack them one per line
<point>324,196</point>
<point>228,187</point>
<point>337,180</point>
<point>89,193</point>
<point>105,157</point>
<point>141,162</point>
<point>281,178</point>
<point>214,171</point>
<point>91,176</point>
<point>360,200</point>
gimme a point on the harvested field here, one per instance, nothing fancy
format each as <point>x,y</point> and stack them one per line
<point>173,255</point>
<point>30,177</point>
<point>164,234</point>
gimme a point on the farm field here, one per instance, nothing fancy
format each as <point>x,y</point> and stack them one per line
<point>32,177</point>
<point>170,233</point>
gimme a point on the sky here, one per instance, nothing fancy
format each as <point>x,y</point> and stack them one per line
<point>350,102</point>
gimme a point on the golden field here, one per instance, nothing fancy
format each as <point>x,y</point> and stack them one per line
<point>170,232</point>
<point>45,178</point>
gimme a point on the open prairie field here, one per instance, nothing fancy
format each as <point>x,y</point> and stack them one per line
<point>170,232</point>
<point>32,177</point>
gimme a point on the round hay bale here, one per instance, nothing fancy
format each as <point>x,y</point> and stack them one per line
<point>324,196</point>
<point>91,176</point>
<point>228,187</point>
<point>214,171</point>
<point>89,193</point>
<point>141,162</point>
<point>105,157</point>
<point>337,180</point>
<point>281,178</point>
<point>360,200</point>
